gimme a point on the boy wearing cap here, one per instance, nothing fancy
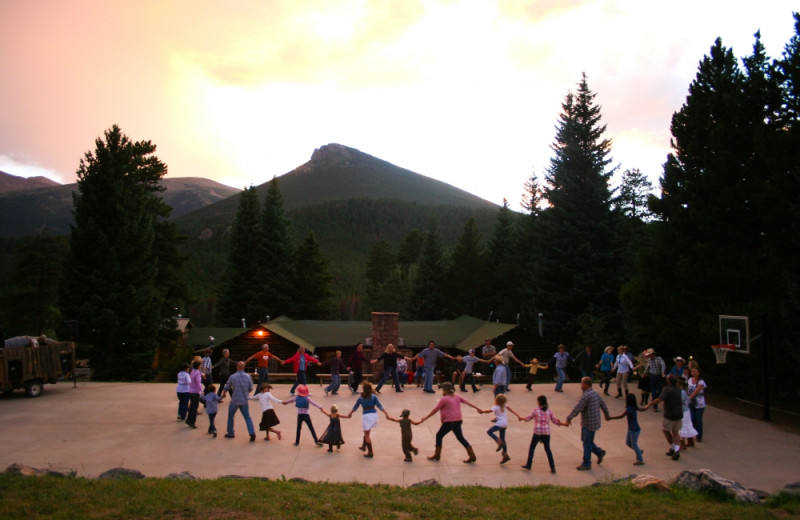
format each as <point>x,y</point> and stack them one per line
<point>405,433</point>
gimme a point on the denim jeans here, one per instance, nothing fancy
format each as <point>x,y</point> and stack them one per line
<point>211,427</point>
<point>561,377</point>
<point>428,384</point>
<point>589,447</point>
<point>304,418</point>
<point>245,413</point>
<point>336,382</point>
<point>300,380</point>
<point>545,440</point>
<point>389,372</point>
<point>632,441</point>
<point>656,384</point>
<point>502,431</point>
<point>469,379</point>
<point>263,377</point>
<point>697,420</point>
<point>447,427</point>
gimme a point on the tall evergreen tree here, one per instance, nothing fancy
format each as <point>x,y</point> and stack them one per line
<point>428,300</point>
<point>110,272</point>
<point>504,259</point>
<point>725,212</point>
<point>467,274</point>
<point>410,251</point>
<point>240,293</point>
<point>574,279</point>
<point>313,298</point>
<point>275,252</point>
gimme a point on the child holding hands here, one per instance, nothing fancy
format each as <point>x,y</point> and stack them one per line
<point>405,432</point>
<point>542,417</point>
<point>500,410</point>
<point>268,416</point>
<point>333,433</point>
<point>632,437</point>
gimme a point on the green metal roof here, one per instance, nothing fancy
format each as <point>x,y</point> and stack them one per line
<point>462,333</point>
<point>200,336</point>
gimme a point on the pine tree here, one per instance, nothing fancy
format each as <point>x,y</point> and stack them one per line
<point>573,276</point>
<point>634,191</point>
<point>240,291</point>
<point>428,301</point>
<point>110,272</point>
<point>275,252</point>
<point>313,298</point>
<point>504,259</point>
<point>467,274</point>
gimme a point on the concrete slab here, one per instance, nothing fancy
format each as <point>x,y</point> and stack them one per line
<point>97,426</point>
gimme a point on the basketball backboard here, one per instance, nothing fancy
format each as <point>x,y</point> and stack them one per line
<point>735,330</point>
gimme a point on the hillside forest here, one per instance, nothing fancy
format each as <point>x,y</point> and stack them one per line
<point>651,268</point>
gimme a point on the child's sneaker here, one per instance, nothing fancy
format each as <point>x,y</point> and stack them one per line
<point>638,463</point>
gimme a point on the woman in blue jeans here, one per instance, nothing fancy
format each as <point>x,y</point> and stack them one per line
<point>562,358</point>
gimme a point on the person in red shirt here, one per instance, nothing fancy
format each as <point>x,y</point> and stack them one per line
<point>300,361</point>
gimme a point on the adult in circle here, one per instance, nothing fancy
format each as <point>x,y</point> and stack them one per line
<point>697,401</point>
<point>355,364</point>
<point>262,356</point>
<point>369,417</point>
<point>390,358</point>
<point>184,380</point>
<point>562,359</point>
<point>242,384</point>
<point>429,356</point>
<point>657,372</point>
<point>300,361</point>
<point>589,407</point>
<point>449,408</point>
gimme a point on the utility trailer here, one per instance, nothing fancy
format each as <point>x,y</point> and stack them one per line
<point>32,365</point>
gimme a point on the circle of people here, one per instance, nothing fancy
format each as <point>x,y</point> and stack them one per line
<point>683,397</point>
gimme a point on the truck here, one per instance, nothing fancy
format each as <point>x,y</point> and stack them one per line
<point>32,364</point>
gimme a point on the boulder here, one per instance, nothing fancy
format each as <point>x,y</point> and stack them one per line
<point>183,475</point>
<point>649,482</point>
<point>120,473</point>
<point>429,482</point>
<point>27,471</point>
<point>706,481</point>
<point>792,488</point>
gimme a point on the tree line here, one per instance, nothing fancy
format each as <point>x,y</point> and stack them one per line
<point>601,265</point>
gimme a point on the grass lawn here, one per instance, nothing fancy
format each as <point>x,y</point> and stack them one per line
<point>57,497</point>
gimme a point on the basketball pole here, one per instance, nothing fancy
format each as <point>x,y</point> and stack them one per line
<point>765,338</point>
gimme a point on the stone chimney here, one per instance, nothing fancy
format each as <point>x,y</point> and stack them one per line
<point>385,330</point>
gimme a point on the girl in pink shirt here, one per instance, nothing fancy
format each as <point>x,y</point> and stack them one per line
<point>449,408</point>
<point>542,417</point>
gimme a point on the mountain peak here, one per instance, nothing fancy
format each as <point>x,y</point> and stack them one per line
<point>334,153</point>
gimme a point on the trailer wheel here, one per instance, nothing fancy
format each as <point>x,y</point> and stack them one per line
<point>34,388</point>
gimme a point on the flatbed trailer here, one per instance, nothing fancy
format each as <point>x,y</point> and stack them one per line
<point>31,367</point>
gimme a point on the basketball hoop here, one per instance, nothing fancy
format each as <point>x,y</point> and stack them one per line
<point>721,352</point>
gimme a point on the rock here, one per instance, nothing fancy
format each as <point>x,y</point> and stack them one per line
<point>613,481</point>
<point>430,482</point>
<point>650,482</point>
<point>792,488</point>
<point>26,471</point>
<point>120,473</point>
<point>21,470</point>
<point>183,475</point>
<point>706,481</point>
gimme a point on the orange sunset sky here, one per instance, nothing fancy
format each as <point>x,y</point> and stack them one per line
<point>464,91</point>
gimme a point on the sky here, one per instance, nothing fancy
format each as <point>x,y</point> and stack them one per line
<point>464,91</point>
